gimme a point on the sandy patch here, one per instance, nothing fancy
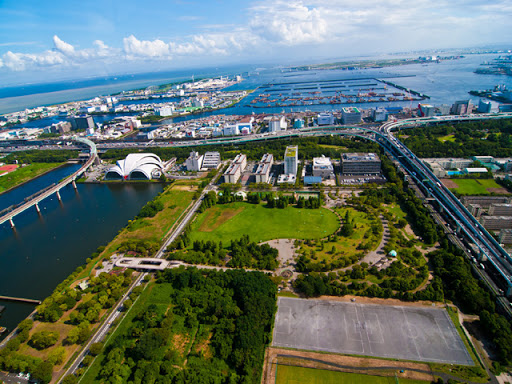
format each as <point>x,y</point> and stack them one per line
<point>378,301</point>
<point>449,183</point>
<point>213,220</point>
<point>327,360</point>
<point>499,191</point>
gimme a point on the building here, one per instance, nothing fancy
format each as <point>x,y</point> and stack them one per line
<point>426,110</point>
<point>277,123</point>
<point>351,115</point>
<point>325,118</point>
<point>360,164</point>
<point>167,110</point>
<point>298,123</point>
<point>286,179</point>
<point>461,107</point>
<point>475,210</point>
<point>322,167</point>
<point>496,222</point>
<point>136,166</point>
<point>484,106</point>
<point>211,160</point>
<point>235,169</point>
<point>310,180</point>
<point>194,162</point>
<point>506,236</point>
<point>485,201</point>
<point>379,114</point>
<point>262,173</point>
<point>61,127</point>
<point>82,122</point>
<point>231,130</point>
<point>291,160</point>
<point>500,210</point>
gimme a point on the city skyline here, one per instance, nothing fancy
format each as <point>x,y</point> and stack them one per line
<point>62,40</point>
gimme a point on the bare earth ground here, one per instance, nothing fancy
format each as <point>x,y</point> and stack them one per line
<point>449,183</point>
<point>499,191</point>
<point>272,358</point>
<point>374,300</point>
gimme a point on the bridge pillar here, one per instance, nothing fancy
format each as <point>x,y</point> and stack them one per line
<point>37,208</point>
<point>457,229</point>
<point>58,196</point>
<point>74,184</point>
<point>11,222</point>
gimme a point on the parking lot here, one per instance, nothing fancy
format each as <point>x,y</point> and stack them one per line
<point>409,333</point>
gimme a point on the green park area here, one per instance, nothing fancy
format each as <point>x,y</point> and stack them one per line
<point>23,174</point>
<point>225,222</point>
<point>476,186</point>
<point>299,375</point>
<point>445,138</point>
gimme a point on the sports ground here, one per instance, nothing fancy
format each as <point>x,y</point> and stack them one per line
<point>408,333</point>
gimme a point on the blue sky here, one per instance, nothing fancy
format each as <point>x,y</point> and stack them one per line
<point>52,39</point>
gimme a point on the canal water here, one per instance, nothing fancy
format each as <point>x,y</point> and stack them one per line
<point>44,249</point>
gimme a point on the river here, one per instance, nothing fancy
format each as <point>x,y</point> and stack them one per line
<point>43,250</point>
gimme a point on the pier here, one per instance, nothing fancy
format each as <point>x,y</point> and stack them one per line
<point>20,300</point>
<point>54,189</point>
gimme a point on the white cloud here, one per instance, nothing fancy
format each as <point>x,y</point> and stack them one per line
<point>145,48</point>
<point>13,61</point>
<point>62,46</point>
<point>289,23</point>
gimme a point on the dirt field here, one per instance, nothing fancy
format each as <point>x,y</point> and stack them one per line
<point>275,355</point>
<point>374,300</point>
<point>498,191</point>
<point>449,183</point>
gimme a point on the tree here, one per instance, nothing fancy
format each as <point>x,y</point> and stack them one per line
<point>43,339</point>
<point>43,372</point>
<point>95,349</point>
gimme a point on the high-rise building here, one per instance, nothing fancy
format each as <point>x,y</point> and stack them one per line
<point>484,106</point>
<point>262,173</point>
<point>194,161</point>
<point>462,107</point>
<point>360,164</point>
<point>322,167</point>
<point>291,160</point>
<point>82,122</point>
<point>278,123</point>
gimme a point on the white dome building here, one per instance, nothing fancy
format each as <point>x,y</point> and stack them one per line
<point>136,166</point>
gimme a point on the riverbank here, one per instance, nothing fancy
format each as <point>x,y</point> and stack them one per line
<point>26,174</point>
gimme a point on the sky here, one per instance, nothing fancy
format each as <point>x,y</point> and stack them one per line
<point>41,41</point>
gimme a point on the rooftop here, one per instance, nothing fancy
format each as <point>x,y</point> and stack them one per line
<point>291,151</point>
<point>359,157</point>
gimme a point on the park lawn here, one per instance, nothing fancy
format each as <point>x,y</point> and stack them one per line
<point>225,222</point>
<point>443,139</point>
<point>299,375</point>
<point>396,210</point>
<point>474,186</point>
<point>344,246</point>
<point>154,228</point>
<point>23,174</point>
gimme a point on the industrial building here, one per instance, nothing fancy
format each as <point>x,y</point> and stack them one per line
<point>136,166</point>
<point>500,210</point>
<point>485,201</point>
<point>291,160</point>
<point>484,106</point>
<point>235,169</point>
<point>426,110</point>
<point>505,236</point>
<point>262,173</point>
<point>325,118</point>
<point>351,115</point>
<point>496,222</point>
<point>360,164</point>
<point>61,127</point>
<point>322,167</point>
<point>211,160</point>
<point>194,161</point>
<point>167,110</point>
<point>286,179</point>
<point>379,114</point>
<point>298,123</point>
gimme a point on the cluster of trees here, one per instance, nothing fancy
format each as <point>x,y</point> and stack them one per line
<point>282,201</point>
<point>41,156</point>
<point>242,254</point>
<point>480,138</point>
<point>462,287</point>
<point>151,208</point>
<point>144,248</point>
<point>230,313</point>
<point>209,201</point>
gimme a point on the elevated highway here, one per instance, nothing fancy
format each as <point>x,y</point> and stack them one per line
<point>56,188</point>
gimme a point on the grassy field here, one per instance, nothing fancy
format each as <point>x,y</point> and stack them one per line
<point>300,375</point>
<point>446,138</point>
<point>231,221</point>
<point>344,246</point>
<point>474,186</point>
<point>24,174</point>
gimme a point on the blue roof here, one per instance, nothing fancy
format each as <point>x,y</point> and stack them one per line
<point>312,179</point>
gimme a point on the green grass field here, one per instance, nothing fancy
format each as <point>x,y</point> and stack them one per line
<point>300,375</point>
<point>24,174</point>
<point>231,221</point>
<point>474,186</point>
<point>446,138</point>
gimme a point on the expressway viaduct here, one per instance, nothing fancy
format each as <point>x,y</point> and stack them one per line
<point>34,202</point>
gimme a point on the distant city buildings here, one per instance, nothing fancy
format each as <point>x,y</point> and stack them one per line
<point>462,107</point>
<point>379,114</point>
<point>360,164</point>
<point>277,123</point>
<point>484,106</point>
<point>426,110</point>
<point>82,122</point>
<point>167,110</point>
